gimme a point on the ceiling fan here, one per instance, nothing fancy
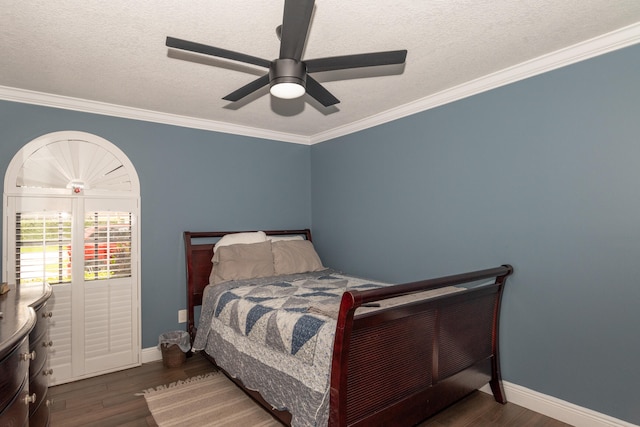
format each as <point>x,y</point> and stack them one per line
<point>288,76</point>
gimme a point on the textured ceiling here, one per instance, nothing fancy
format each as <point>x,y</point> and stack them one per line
<point>114,52</point>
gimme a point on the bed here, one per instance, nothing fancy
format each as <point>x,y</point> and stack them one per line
<point>360,352</point>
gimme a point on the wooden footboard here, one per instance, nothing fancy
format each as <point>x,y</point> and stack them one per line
<point>400,365</point>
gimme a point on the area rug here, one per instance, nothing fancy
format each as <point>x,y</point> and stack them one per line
<point>206,400</point>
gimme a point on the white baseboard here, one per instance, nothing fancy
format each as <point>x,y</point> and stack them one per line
<point>556,408</point>
<point>151,354</point>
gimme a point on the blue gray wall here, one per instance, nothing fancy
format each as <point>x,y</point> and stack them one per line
<point>190,180</point>
<point>543,174</point>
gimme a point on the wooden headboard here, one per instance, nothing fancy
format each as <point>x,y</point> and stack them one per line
<point>198,246</point>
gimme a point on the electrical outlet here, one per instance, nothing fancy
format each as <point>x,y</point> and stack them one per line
<point>182,316</point>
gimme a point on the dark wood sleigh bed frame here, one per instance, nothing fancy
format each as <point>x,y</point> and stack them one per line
<point>395,366</point>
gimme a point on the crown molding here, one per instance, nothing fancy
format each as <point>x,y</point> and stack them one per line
<point>626,36</point>
<point>609,42</point>
<point>106,109</point>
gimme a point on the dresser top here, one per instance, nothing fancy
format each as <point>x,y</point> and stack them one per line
<point>18,315</point>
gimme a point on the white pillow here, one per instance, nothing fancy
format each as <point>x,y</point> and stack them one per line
<point>240,238</point>
<point>285,238</point>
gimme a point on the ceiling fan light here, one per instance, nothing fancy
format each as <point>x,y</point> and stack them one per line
<point>287,78</point>
<point>287,90</point>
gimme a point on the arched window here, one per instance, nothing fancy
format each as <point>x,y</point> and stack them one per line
<point>72,219</point>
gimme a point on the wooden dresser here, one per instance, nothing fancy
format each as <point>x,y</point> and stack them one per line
<point>24,347</point>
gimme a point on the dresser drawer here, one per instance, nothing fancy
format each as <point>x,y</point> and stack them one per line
<point>17,412</point>
<point>39,345</point>
<point>38,385</point>
<point>24,349</point>
<point>13,369</point>
<point>41,350</point>
<point>42,323</point>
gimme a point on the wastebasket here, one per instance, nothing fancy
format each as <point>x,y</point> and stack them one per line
<point>174,345</point>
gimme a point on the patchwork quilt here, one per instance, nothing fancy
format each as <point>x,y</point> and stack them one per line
<point>276,335</point>
<point>279,314</point>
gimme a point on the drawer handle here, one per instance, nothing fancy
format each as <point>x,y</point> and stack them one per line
<point>28,356</point>
<point>47,344</point>
<point>47,372</point>
<point>50,402</point>
<point>46,314</point>
<point>29,399</point>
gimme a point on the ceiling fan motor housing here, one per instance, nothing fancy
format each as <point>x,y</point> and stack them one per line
<point>287,71</point>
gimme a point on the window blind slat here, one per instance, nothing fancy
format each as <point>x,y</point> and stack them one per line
<point>43,246</point>
<point>107,245</point>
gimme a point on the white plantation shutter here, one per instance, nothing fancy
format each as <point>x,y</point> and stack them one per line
<point>62,159</point>
<point>107,245</point>
<point>108,324</point>
<point>110,319</point>
<point>101,334</point>
<point>38,239</point>
<point>72,203</point>
<point>42,244</point>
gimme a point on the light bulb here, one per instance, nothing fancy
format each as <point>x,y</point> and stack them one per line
<point>287,90</point>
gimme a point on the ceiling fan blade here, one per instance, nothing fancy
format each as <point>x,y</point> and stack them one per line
<point>295,25</point>
<point>319,93</point>
<point>248,89</point>
<point>356,61</point>
<point>215,51</point>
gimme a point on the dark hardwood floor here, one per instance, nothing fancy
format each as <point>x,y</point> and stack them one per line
<point>110,400</point>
